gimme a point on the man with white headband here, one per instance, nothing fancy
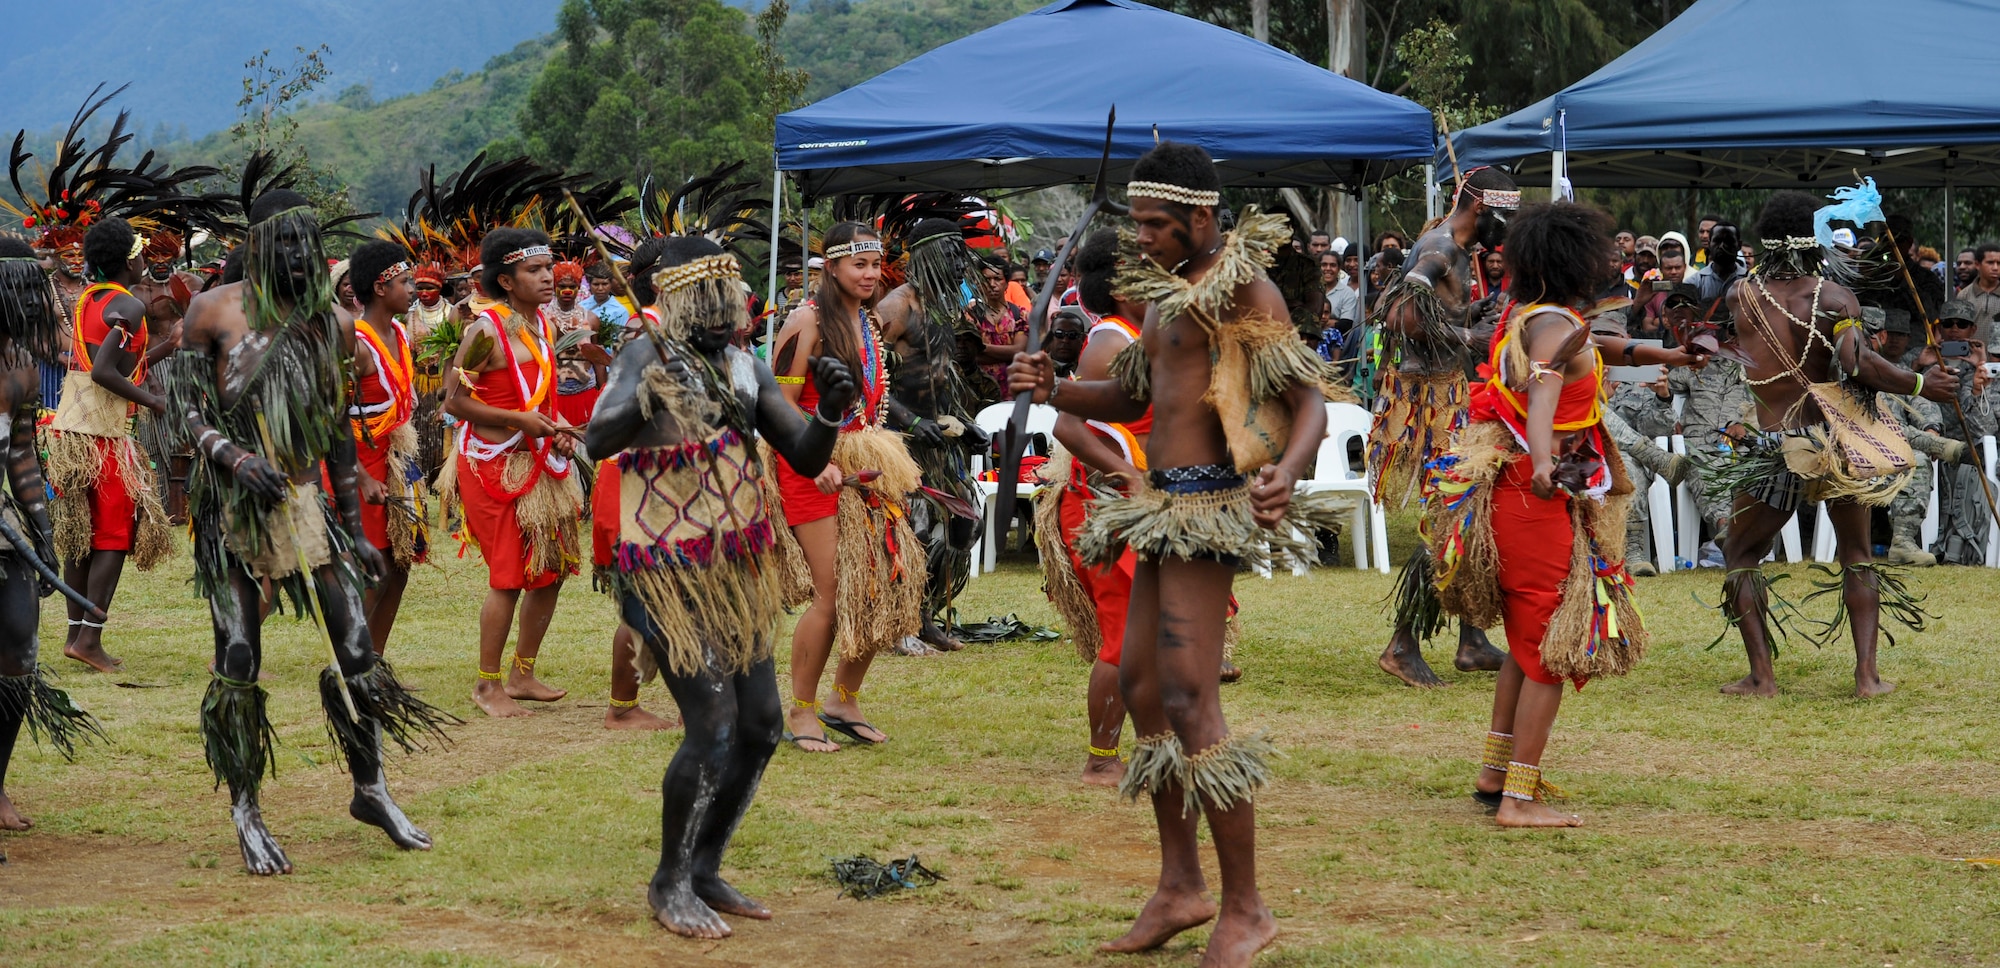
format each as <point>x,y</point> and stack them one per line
<point>1234,392</point>
<point>1426,322</point>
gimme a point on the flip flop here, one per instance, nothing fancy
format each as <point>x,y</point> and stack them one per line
<point>800,741</point>
<point>1490,801</point>
<point>850,729</point>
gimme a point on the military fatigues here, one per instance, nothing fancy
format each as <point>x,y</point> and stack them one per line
<point>1634,416</point>
<point>1717,397</point>
<point>1922,421</point>
<point>1962,514</point>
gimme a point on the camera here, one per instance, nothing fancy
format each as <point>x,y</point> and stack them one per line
<point>1662,285</point>
<point>1954,348</point>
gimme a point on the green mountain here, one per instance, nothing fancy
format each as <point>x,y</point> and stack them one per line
<point>184,58</point>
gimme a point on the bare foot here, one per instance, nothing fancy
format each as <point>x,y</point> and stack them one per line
<point>1533,813</point>
<point>1749,686</point>
<point>1230,671</point>
<point>912,646</point>
<point>1872,686</point>
<point>10,818</point>
<point>1164,916</point>
<point>1403,660</point>
<point>95,657</point>
<point>1475,652</point>
<point>489,696</point>
<point>937,638</point>
<point>723,898</point>
<point>1238,937</point>
<point>806,732</point>
<point>261,853</point>
<point>634,717</point>
<point>680,911</point>
<point>522,685</point>
<point>1104,771</point>
<point>372,805</point>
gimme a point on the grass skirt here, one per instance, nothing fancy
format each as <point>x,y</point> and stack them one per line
<point>48,712</point>
<point>1155,523</point>
<point>1059,582</point>
<point>1596,629</point>
<point>1415,418</point>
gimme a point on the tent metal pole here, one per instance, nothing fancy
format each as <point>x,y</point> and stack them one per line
<point>1557,159</point>
<point>777,227</point>
<point>1950,256</point>
<point>1431,191</point>
<point>1361,239</point>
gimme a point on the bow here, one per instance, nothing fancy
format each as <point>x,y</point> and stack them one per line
<point>1014,437</point>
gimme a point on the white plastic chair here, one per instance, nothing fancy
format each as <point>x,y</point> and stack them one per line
<point>1660,502</point>
<point>993,420</point>
<point>1687,514</point>
<point>1333,471</point>
<point>1993,479</point>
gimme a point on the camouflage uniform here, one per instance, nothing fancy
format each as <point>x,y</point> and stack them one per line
<point>1633,417</point>
<point>1962,515</point>
<point>1922,421</point>
<point>1717,397</point>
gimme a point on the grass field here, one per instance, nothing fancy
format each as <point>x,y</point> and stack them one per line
<point>1813,829</point>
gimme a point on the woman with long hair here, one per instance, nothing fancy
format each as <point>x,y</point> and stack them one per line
<point>850,520</point>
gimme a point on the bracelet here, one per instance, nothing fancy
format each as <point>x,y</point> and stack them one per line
<point>1053,387</point>
<point>835,424</point>
<point>1920,386</point>
<point>1630,349</point>
<point>233,468</point>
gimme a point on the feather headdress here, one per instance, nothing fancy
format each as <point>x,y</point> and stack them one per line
<point>83,185</point>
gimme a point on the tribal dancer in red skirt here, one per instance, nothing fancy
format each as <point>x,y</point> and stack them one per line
<point>1532,500</point>
<point>385,440</point>
<point>512,470</point>
<point>851,520</point>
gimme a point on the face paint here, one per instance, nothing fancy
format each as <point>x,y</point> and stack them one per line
<point>70,257</point>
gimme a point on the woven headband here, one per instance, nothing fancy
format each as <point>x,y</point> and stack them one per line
<point>856,247</point>
<point>687,274</point>
<point>1500,198</point>
<point>1797,242</point>
<point>1172,193</point>
<point>524,254</point>
<point>394,270</point>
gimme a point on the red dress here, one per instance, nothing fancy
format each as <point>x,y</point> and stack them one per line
<point>1110,587</point>
<point>1534,535</point>
<point>114,515</point>
<point>490,518</point>
<point>804,503</point>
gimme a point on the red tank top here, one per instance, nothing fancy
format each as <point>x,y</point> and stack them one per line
<point>523,384</point>
<point>91,329</point>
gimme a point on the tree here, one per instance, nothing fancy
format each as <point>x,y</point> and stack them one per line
<point>266,122</point>
<point>667,88</point>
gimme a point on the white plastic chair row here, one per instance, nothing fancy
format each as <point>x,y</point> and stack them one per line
<point>1347,424</point>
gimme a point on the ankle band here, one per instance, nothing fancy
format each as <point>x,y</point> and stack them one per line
<point>492,676</point>
<point>845,694</point>
<point>524,666</point>
<point>805,703</point>
<point>624,703</point>
<point>1524,782</point>
<point>1228,773</point>
<point>1112,752</point>
<point>1499,750</point>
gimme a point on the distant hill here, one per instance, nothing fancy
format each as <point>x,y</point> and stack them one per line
<point>186,57</point>
<point>845,42</point>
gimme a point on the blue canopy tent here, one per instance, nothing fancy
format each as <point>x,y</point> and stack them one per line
<point>1022,105</point>
<point>1772,94</point>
